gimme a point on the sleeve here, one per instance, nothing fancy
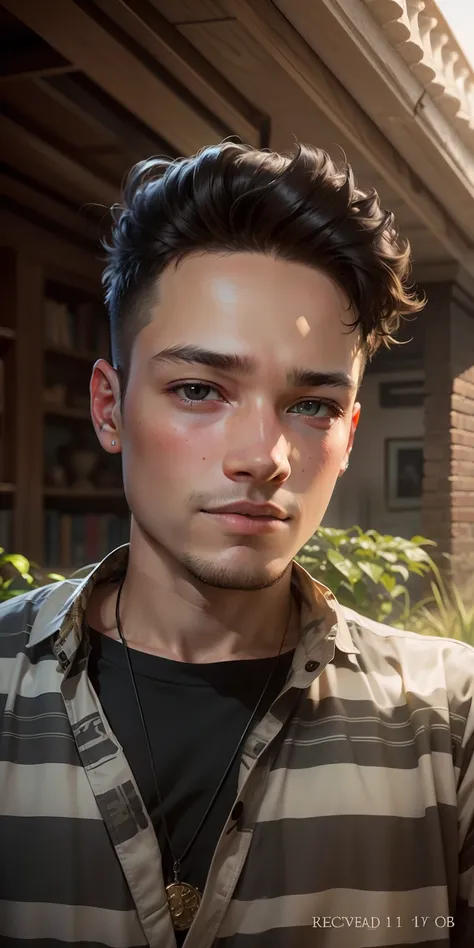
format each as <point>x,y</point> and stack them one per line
<point>463,931</point>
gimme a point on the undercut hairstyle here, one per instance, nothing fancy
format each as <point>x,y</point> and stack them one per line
<point>232,198</point>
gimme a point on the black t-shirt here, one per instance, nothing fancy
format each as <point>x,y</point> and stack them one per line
<point>195,716</point>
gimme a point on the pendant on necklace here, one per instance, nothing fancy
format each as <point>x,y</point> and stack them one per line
<point>183,902</point>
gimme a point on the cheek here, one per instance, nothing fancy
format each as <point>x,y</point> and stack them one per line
<point>160,445</point>
<point>338,442</point>
<point>327,455</point>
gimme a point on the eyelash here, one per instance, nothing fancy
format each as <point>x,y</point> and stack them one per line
<point>334,409</point>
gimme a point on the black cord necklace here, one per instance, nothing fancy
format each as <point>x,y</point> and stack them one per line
<point>184,899</point>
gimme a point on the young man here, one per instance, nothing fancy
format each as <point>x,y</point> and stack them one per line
<point>198,743</point>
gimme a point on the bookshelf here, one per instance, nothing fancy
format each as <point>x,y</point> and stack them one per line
<point>62,502</point>
<point>69,493</point>
<point>8,394</point>
<point>65,411</point>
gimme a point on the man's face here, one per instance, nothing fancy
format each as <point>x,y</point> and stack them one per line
<point>257,435</point>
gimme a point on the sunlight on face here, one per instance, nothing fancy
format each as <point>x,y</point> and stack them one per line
<point>197,435</point>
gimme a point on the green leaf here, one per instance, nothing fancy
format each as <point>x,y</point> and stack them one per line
<point>417,569</point>
<point>350,570</point>
<point>372,570</point>
<point>18,561</point>
<point>416,554</point>
<point>422,541</point>
<point>397,591</point>
<point>402,570</point>
<point>388,556</point>
<point>389,582</point>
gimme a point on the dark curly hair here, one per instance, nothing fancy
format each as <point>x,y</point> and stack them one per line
<point>230,198</point>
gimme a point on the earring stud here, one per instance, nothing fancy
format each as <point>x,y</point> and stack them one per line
<point>113,443</point>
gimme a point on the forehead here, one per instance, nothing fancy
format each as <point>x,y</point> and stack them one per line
<point>254,303</point>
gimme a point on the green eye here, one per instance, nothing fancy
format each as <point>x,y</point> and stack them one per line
<point>322,409</point>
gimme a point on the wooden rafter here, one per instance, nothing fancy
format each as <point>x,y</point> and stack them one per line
<point>50,250</point>
<point>81,97</point>
<point>108,62</point>
<point>241,114</point>
<point>30,61</point>
<point>39,140</point>
<point>30,194</point>
<point>105,14</point>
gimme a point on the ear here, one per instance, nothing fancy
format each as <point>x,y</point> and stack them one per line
<point>105,406</point>
<point>354,423</point>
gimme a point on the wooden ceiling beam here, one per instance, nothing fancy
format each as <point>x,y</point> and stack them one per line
<point>265,23</point>
<point>28,193</point>
<point>237,111</point>
<point>110,16</point>
<point>109,63</point>
<point>30,61</point>
<point>22,129</point>
<point>89,103</point>
<point>49,250</point>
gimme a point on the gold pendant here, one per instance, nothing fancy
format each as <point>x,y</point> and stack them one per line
<point>183,901</point>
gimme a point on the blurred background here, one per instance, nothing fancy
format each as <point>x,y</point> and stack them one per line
<point>89,87</point>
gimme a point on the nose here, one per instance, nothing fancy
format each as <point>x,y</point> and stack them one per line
<point>257,449</point>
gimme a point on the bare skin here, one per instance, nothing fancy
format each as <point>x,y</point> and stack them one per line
<point>197,589</point>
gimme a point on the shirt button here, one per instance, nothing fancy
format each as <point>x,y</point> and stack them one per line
<point>311,666</point>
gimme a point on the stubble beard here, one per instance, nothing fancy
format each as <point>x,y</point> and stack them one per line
<point>229,577</point>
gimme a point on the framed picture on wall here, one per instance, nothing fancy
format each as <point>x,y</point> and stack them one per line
<point>404,473</point>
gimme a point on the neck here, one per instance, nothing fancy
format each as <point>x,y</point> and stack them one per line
<point>165,611</point>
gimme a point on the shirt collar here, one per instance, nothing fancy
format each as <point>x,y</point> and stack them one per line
<point>321,610</point>
<point>63,611</point>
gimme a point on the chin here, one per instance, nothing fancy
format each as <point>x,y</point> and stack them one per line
<point>240,572</point>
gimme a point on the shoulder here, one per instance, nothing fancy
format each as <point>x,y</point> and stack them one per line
<point>18,614</point>
<point>406,639</point>
<point>16,609</point>
<point>428,664</point>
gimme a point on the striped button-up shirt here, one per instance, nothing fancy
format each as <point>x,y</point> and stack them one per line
<point>357,791</point>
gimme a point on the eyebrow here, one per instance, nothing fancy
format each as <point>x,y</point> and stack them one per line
<point>247,365</point>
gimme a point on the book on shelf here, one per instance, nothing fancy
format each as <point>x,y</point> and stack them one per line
<point>74,540</point>
<point>81,329</point>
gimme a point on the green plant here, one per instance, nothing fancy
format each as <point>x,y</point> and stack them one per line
<point>17,575</point>
<point>446,612</point>
<point>368,571</point>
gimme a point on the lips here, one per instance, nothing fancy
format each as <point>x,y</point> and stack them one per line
<point>253,511</point>
<point>257,516</point>
<point>235,522</point>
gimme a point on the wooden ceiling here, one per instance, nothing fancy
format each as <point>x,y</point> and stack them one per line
<point>89,87</point>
